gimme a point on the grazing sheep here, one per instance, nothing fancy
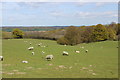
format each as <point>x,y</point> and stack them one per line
<point>24,61</point>
<point>39,44</point>
<point>43,46</point>
<point>30,48</point>
<point>25,41</point>
<point>1,58</point>
<point>86,51</point>
<point>43,52</point>
<point>77,51</point>
<point>65,53</point>
<point>82,47</point>
<point>65,45</point>
<point>49,57</point>
<point>33,53</point>
<point>94,74</point>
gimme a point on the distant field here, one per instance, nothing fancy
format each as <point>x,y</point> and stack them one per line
<point>101,61</point>
<point>10,29</point>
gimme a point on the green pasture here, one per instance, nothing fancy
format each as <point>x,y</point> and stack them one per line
<point>101,61</point>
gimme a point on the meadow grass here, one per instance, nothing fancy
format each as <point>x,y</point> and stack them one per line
<point>101,61</point>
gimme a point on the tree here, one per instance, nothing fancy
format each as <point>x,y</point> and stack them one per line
<point>73,35</point>
<point>99,33</point>
<point>86,34</point>
<point>17,33</point>
<point>112,34</point>
<point>114,27</point>
<point>118,29</point>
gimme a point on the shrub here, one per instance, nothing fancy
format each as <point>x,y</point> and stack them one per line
<point>17,33</point>
<point>62,41</point>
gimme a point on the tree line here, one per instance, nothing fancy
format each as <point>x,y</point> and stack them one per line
<point>86,34</point>
<point>72,35</point>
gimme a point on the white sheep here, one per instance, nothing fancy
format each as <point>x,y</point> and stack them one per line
<point>82,47</point>
<point>43,46</point>
<point>30,43</point>
<point>77,51</point>
<point>49,57</point>
<point>24,61</point>
<point>30,48</point>
<point>43,52</point>
<point>65,45</point>
<point>39,44</point>
<point>25,41</point>
<point>65,53</point>
<point>86,51</point>
<point>1,58</point>
<point>33,53</point>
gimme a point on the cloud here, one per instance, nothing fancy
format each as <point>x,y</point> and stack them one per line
<point>7,6</point>
<point>80,3</point>
<point>82,14</point>
<point>57,14</point>
<point>60,0</point>
<point>37,4</point>
<point>19,17</point>
<point>31,4</point>
<point>100,4</point>
<point>96,14</point>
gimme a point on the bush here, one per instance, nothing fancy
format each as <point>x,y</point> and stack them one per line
<point>62,41</point>
<point>17,33</point>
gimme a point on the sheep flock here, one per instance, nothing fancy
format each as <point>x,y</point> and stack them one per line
<point>48,57</point>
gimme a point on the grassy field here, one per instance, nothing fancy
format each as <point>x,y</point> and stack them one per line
<point>101,61</point>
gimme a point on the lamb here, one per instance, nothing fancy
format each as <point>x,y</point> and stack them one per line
<point>24,61</point>
<point>1,58</point>
<point>49,57</point>
<point>65,53</point>
<point>30,48</point>
<point>77,51</point>
<point>33,53</point>
<point>86,51</point>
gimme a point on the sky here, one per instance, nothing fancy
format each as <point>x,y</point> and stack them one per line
<point>58,13</point>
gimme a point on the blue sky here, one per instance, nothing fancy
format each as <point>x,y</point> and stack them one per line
<point>58,13</point>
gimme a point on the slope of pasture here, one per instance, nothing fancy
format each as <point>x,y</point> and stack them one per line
<point>101,61</point>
